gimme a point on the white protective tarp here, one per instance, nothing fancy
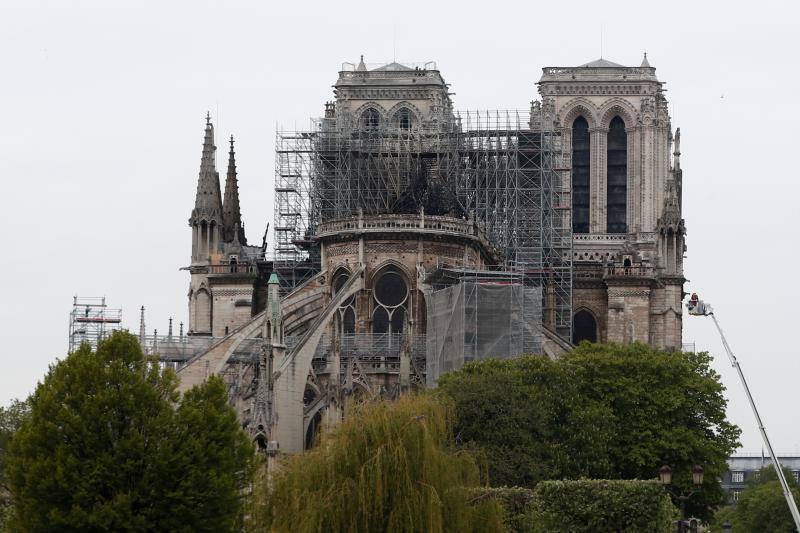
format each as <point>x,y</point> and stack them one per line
<point>477,320</point>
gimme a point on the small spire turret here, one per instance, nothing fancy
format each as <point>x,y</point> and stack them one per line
<point>645,63</point>
<point>231,211</point>
<point>208,201</point>
<point>206,218</point>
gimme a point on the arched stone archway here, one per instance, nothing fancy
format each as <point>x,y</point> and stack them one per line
<point>584,327</point>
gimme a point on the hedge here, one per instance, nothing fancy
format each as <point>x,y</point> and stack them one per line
<point>600,506</point>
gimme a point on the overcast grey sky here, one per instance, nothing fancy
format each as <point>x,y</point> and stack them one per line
<point>101,125</point>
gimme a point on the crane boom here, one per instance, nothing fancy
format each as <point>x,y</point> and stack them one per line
<point>700,308</point>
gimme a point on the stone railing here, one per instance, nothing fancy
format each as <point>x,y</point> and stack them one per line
<point>400,223</point>
<point>233,268</point>
<point>417,70</point>
<point>375,352</point>
<point>181,348</point>
<point>598,73</point>
<point>637,271</point>
<point>599,237</point>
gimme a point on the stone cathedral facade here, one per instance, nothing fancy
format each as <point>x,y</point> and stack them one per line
<point>354,311</point>
<point>628,231</point>
<point>624,181</point>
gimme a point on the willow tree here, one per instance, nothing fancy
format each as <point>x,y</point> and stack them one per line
<point>388,467</point>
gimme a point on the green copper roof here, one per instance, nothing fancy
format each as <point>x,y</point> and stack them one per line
<point>273,278</point>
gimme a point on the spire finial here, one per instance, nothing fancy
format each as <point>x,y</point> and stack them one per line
<point>645,63</point>
<point>141,328</point>
<point>208,201</point>
<point>231,211</point>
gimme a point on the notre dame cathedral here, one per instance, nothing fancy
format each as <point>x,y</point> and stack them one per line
<point>410,238</point>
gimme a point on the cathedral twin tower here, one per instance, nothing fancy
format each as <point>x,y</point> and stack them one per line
<point>626,182</point>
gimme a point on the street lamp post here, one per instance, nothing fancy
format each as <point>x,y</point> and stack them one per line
<point>665,476</point>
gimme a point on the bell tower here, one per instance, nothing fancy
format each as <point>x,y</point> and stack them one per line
<point>628,231</point>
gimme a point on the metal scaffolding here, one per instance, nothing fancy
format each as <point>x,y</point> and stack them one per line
<point>294,157</point>
<point>502,169</point>
<point>90,321</point>
<point>514,183</point>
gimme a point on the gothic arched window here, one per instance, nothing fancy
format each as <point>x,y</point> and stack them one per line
<point>617,197</point>
<point>202,312</point>
<point>347,311</point>
<point>403,118</point>
<point>584,327</point>
<point>391,297</point>
<point>580,175</point>
<point>370,118</point>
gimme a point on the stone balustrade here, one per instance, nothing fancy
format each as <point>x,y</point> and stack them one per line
<point>400,223</point>
<point>636,271</point>
<point>233,268</point>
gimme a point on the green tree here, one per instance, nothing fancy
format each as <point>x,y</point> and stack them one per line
<point>211,461</point>
<point>762,505</point>
<point>527,416</point>
<point>610,411</point>
<point>387,467</point>
<point>721,515</point>
<point>10,419</point>
<point>668,408</point>
<point>105,449</point>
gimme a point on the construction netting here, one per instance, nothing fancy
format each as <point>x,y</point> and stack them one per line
<point>476,320</point>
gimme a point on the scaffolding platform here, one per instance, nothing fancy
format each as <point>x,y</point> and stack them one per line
<point>91,320</point>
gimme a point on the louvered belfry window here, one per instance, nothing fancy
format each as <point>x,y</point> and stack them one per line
<point>617,199</point>
<point>580,175</point>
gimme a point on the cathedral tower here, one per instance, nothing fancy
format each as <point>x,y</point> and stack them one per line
<point>626,206</point>
<point>223,267</point>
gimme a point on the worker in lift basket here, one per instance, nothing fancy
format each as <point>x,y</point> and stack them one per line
<point>696,306</point>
